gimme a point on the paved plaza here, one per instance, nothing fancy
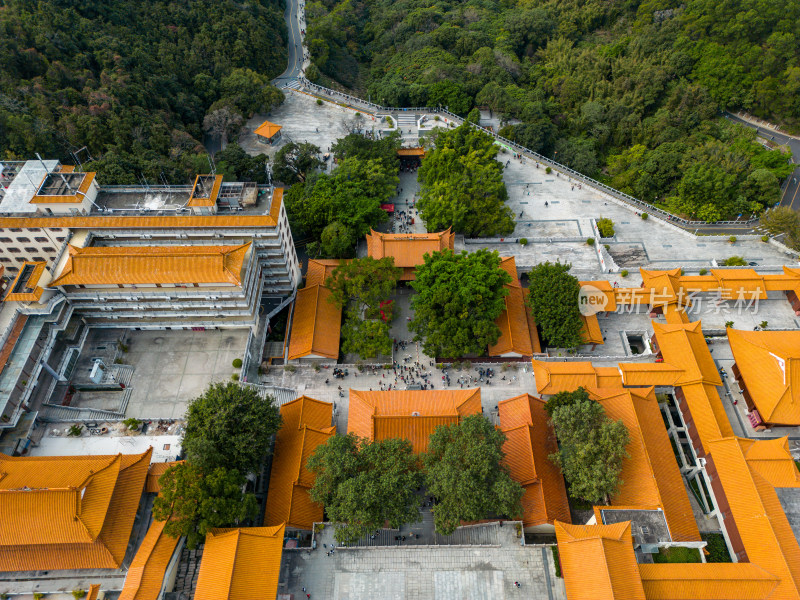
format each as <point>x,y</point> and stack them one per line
<point>423,573</point>
<point>172,367</point>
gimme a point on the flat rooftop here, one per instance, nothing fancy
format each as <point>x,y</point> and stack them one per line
<point>17,197</point>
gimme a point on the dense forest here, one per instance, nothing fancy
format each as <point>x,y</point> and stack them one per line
<point>133,81</point>
<point>628,91</point>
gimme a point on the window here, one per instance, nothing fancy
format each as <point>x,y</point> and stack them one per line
<point>29,249</point>
<point>49,249</point>
<point>5,260</point>
<point>23,239</point>
<point>14,250</point>
<point>61,238</point>
<point>5,240</point>
<point>34,229</point>
<point>40,239</point>
<point>15,229</point>
<point>38,259</point>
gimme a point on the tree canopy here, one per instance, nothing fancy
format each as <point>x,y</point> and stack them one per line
<point>293,162</point>
<point>458,297</point>
<point>627,92</point>
<point>591,446</point>
<point>553,300</point>
<point>462,185</point>
<point>365,484</point>
<point>230,427</point>
<point>464,471</point>
<point>133,81</point>
<point>362,286</point>
<point>192,501</point>
<point>782,220</point>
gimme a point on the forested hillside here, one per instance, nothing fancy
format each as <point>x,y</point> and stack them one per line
<point>627,91</point>
<point>132,80</point>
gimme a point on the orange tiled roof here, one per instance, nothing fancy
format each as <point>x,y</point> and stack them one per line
<point>647,374</point>
<point>35,290</point>
<point>11,340</point>
<point>769,362</point>
<point>154,473</point>
<point>306,425</point>
<point>409,414</point>
<point>607,289</point>
<point>744,284</point>
<point>83,508</point>
<point>590,330</point>
<point>529,441</point>
<point>650,475</point>
<point>772,460</point>
<point>320,269</point>
<point>75,198</point>
<point>683,346</point>
<point>597,562</point>
<point>240,564</point>
<point>706,581</point>
<point>765,531</point>
<point>518,333</point>
<point>707,411</point>
<point>408,249</point>
<point>553,377</point>
<point>145,576</point>
<point>316,325</point>
<point>100,265</point>
<point>267,129</point>
<point>211,198</point>
<point>665,287</point>
<point>411,152</point>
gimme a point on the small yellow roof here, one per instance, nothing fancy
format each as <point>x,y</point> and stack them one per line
<point>30,290</point>
<point>206,190</point>
<point>517,329</point>
<point>267,129</point>
<point>684,346</point>
<point>320,269</point>
<point>408,249</point>
<point>590,330</point>
<point>75,198</point>
<point>706,581</point>
<point>769,363</point>
<point>100,265</point>
<point>146,574</point>
<point>240,564</point>
<point>553,377</point>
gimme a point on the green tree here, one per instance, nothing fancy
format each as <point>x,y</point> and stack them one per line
<point>462,185</point>
<point>355,145</point>
<point>293,162</point>
<point>591,448</point>
<point>192,501</point>
<point>367,281</point>
<point>365,484</point>
<point>783,220</point>
<point>464,471</point>
<point>336,241</point>
<point>565,399</point>
<point>237,165</point>
<point>366,337</point>
<point>605,227</point>
<point>458,297</point>
<point>251,92</point>
<point>230,426</point>
<point>553,300</point>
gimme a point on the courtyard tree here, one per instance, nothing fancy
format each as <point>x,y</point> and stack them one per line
<point>293,162</point>
<point>192,501</point>
<point>362,287</point>
<point>230,427</point>
<point>336,241</point>
<point>351,195</point>
<point>458,297</point>
<point>783,220</point>
<point>355,145</point>
<point>365,484</point>
<point>591,447</point>
<point>553,301</point>
<point>464,471</point>
<point>462,185</point>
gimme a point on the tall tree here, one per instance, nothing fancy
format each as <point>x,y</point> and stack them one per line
<point>464,471</point>
<point>222,122</point>
<point>365,484</point>
<point>367,281</point>
<point>782,220</point>
<point>462,185</point>
<point>553,300</point>
<point>230,427</point>
<point>591,448</point>
<point>293,162</point>
<point>458,297</point>
<point>192,501</point>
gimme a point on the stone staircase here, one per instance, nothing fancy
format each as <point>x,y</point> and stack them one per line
<point>52,413</point>
<point>485,534</point>
<point>406,122</point>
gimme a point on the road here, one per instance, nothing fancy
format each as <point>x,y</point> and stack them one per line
<point>790,195</point>
<point>294,45</point>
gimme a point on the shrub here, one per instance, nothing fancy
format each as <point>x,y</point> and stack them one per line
<point>735,261</point>
<point>607,247</point>
<point>237,363</point>
<point>728,324</point>
<point>703,271</point>
<point>677,554</point>
<point>645,216</point>
<point>38,595</point>
<point>317,367</point>
<point>590,241</point>
<point>556,561</point>
<point>763,324</point>
<point>290,368</point>
<point>436,118</point>
<point>548,170</point>
<point>605,227</point>
<point>732,239</point>
<point>523,241</point>
<point>682,271</point>
<point>235,377</point>
<point>623,273</point>
<point>358,115</point>
<point>764,238</point>
<point>717,549</point>
<point>75,430</point>
<point>78,593</point>
<point>389,121</point>
<point>319,101</point>
<point>132,424</point>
